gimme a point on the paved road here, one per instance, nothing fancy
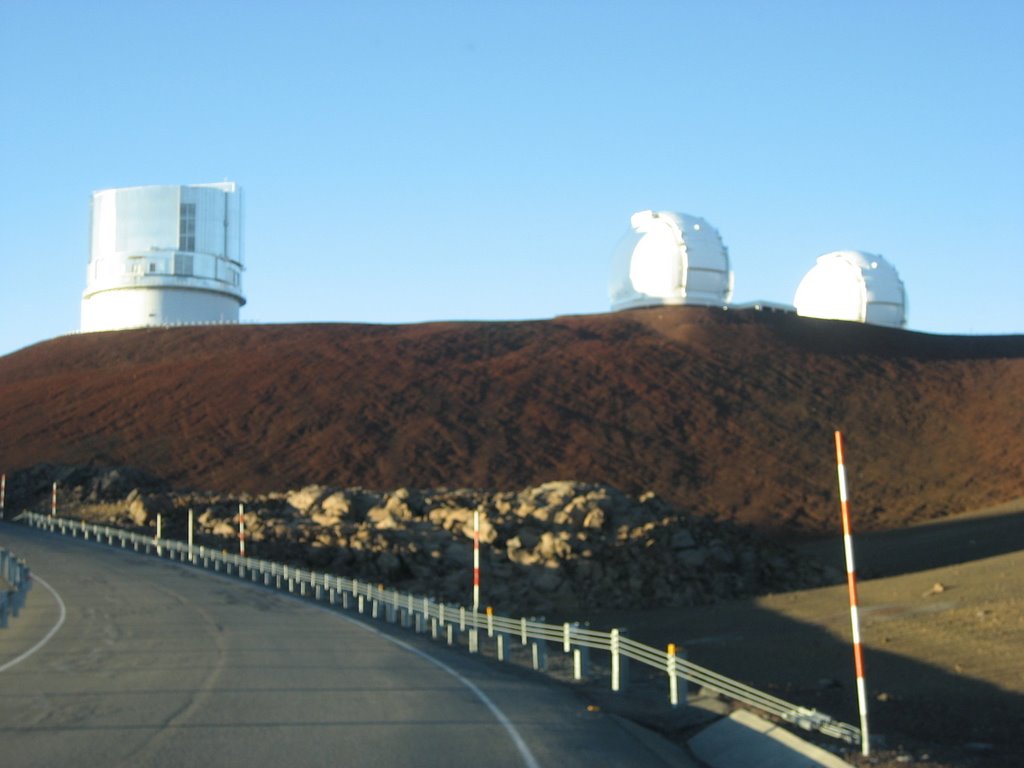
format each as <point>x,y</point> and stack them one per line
<point>158,664</point>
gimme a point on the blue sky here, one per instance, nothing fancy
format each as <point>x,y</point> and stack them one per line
<point>416,161</point>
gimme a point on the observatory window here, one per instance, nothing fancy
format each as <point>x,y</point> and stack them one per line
<point>187,228</point>
<point>183,264</point>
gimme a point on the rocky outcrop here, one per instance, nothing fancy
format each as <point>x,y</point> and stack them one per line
<point>560,547</point>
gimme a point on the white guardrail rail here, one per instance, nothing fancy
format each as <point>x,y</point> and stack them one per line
<point>450,621</point>
<point>15,582</point>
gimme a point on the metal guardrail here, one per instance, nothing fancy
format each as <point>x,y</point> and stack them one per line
<point>447,621</point>
<point>17,580</point>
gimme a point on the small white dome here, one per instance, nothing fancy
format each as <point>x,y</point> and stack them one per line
<point>853,285</point>
<point>669,258</point>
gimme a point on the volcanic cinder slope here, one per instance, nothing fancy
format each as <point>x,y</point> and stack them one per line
<point>723,413</point>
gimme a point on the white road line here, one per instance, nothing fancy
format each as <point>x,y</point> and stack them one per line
<point>49,635</point>
<point>517,739</point>
<point>501,717</point>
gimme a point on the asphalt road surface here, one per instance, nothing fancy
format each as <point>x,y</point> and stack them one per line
<point>119,659</point>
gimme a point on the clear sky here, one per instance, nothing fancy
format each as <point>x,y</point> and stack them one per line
<point>415,161</point>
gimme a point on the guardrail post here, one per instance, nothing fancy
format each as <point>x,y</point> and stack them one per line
<point>522,630</point>
<point>673,681</point>
<point>451,633</point>
<point>490,621</point>
<point>539,651</point>
<point>3,609</point>
<point>433,628</point>
<point>580,662</point>
<point>620,663</point>
<point>502,646</point>
<point>474,640</point>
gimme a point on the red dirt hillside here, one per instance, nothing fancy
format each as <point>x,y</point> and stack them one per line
<point>727,413</point>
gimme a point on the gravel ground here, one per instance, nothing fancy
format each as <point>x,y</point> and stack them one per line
<point>942,643</point>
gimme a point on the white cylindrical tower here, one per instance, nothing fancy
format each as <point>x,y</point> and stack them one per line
<point>853,285</point>
<point>669,258</point>
<point>164,255</point>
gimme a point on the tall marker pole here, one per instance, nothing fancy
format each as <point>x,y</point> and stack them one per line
<point>3,494</point>
<point>191,558</point>
<point>851,581</point>
<point>476,562</point>
<point>241,529</point>
<point>53,500</point>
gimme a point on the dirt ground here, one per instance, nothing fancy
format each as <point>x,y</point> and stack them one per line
<point>728,414</point>
<point>942,623</point>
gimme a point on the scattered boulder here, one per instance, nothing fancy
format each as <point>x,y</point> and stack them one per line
<point>306,498</point>
<point>560,546</point>
<point>143,509</point>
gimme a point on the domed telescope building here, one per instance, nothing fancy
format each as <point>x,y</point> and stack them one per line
<point>855,286</point>
<point>669,258</point>
<point>164,255</point>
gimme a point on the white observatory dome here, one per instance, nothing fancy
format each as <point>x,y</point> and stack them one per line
<point>164,255</point>
<point>669,258</point>
<point>853,285</point>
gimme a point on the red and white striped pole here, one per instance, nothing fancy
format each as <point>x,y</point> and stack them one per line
<point>476,563</point>
<point>241,530</point>
<point>53,500</point>
<point>3,494</point>
<point>851,581</point>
